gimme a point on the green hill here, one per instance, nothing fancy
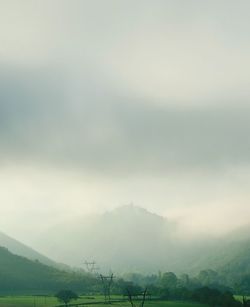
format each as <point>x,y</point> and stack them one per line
<point>230,254</point>
<point>21,249</point>
<point>21,275</point>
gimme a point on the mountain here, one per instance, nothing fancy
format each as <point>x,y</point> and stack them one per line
<point>21,275</point>
<point>125,239</point>
<point>231,254</point>
<point>20,249</point>
<point>132,239</point>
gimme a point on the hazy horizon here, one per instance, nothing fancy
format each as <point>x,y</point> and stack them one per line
<point>106,103</point>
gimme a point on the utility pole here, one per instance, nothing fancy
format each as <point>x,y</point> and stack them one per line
<point>91,267</point>
<point>131,298</point>
<point>107,283</point>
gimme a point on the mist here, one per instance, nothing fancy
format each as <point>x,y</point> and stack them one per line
<point>104,104</point>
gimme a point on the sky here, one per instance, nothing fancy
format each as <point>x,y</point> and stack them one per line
<point>107,103</point>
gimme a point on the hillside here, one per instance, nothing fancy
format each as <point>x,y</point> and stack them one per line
<point>228,253</point>
<point>131,239</point>
<point>21,249</point>
<point>21,275</point>
<point>125,239</point>
<point>232,255</point>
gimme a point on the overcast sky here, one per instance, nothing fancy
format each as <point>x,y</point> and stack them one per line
<point>104,103</point>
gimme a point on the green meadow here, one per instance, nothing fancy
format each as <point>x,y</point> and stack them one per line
<point>49,301</point>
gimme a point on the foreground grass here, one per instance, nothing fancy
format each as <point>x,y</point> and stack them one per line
<point>240,297</point>
<point>28,301</point>
<point>47,301</point>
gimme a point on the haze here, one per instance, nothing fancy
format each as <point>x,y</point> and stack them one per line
<point>104,103</point>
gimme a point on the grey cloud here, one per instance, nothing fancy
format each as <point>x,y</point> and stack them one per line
<point>152,94</point>
<point>76,98</point>
<point>102,131</point>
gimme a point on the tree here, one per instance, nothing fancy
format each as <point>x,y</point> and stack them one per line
<point>66,296</point>
<point>169,280</point>
<point>208,277</point>
<point>214,297</point>
<point>184,281</point>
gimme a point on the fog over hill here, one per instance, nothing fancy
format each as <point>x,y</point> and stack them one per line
<point>104,103</point>
<point>22,275</point>
<point>20,249</point>
<point>127,238</point>
<point>133,239</point>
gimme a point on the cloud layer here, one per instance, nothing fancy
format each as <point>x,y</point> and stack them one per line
<point>145,101</point>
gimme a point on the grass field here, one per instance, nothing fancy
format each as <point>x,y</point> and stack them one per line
<point>45,301</point>
<point>240,297</point>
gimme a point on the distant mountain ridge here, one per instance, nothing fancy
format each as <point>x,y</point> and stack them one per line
<point>128,238</point>
<point>132,239</point>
